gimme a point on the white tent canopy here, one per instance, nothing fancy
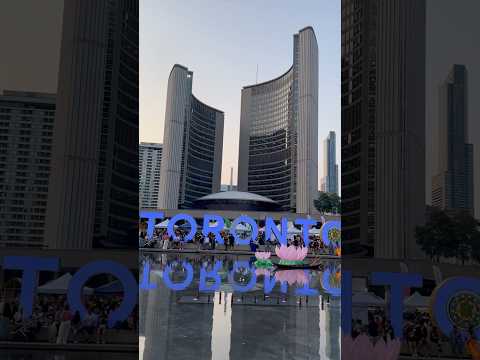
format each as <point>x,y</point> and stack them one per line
<point>367,299</point>
<point>417,301</point>
<point>314,231</point>
<point>242,227</point>
<point>293,230</point>
<point>60,286</point>
<point>164,225</point>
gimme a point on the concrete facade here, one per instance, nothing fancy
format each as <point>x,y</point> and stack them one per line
<point>26,132</point>
<point>192,146</point>
<point>150,160</point>
<point>93,194</point>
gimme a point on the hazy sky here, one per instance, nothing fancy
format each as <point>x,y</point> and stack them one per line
<point>222,42</point>
<point>30,34</point>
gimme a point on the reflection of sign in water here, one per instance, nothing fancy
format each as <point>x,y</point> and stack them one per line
<point>331,280</point>
<point>179,276</point>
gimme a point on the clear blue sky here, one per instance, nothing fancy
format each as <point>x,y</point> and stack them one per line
<point>222,41</point>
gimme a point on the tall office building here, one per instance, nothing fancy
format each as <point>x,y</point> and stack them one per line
<point>192,146</point>
<point>330,167</point>
<point>93,197</point>
<point>400,127</point>
<point>279,132</point>
<point>383,125</point>
<point>26,132</point>
<point>358,124</point>
<point>452,187</point>
<point>150,159</point>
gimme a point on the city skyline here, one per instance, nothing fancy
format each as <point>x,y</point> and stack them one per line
<point>220,78</point>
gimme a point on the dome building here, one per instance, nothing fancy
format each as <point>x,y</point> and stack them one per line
<point>236,201</point>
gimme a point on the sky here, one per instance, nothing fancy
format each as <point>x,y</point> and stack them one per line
<point>31,32</point>
<point>223,42</point>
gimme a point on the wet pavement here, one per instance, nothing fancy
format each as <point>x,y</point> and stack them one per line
<point>223,307</point>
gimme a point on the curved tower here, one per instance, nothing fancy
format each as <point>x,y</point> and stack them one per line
<point>192,146</point>
<point>279,132</point>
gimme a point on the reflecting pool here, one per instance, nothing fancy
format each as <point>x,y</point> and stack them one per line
<point>15,354</point>
<point>224,307</point>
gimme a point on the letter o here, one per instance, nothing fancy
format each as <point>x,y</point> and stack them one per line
<point>130,288</point>
<point>189,219</point>
<point>444,293</point>
<point>329,225</point>
<point>248,220</point>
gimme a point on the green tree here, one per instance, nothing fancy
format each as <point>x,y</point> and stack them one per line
<point>466,235</point>
<point>455,236</point>
<point>328,202</point>
<point>435,237</point>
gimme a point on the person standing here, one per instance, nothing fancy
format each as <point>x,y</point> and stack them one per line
<point>65,325</point>
<point>456,341</point>
<point>166,240</point>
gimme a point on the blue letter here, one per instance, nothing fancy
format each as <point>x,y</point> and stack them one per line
<point>207,229</point>
<point>334,291</point>
<point>306,290</point>
<point>306,223</point>
<point>346,302</point>
<point>130,288</point>
<point>145,284</point>
<point>30,266</point>
<point>443,295</point>
<point>398,282</point>
<point>178,286</point>
<point>178,217</point>
<point>151,216</point>
<point>271,227</point>
<point>242,288</point>
<point>329,225</point>
<point>253,225</point>
<point>210,274</point>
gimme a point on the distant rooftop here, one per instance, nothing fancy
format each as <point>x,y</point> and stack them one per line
<point>236,195</point>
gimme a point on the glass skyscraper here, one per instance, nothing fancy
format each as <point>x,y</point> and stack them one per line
<point>452,187</point>
<point>330,167</point>
<point>278,155</point>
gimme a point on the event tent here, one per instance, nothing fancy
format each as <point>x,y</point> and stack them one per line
<point>60,286</point>
<point>110,288</point>
<point>164,224</point>
<point>367,299</point>
<point>417,301</point>
<point>314,231</point>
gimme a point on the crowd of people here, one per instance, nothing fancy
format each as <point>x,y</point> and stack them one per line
<point>52,320</point>
<point>421,338</point>
<point>162,240</point>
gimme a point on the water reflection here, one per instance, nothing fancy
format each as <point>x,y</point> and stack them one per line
<point>226,308</point>
<point>12,354</point>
